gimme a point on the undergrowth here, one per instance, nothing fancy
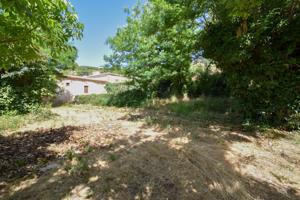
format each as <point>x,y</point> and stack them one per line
<point>12,121</point>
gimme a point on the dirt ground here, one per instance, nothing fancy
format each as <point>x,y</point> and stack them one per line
<point>108,153</point>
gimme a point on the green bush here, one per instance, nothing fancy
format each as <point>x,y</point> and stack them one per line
<point>260,56</point>
<point>93,99</point>
<point>119,95</point>
<point>294,122</point>
<point>24,90</point>
<point>208,84</point>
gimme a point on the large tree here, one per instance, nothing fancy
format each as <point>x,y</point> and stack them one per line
<point>32,30</point>
<point>255,43</point>
<point>156,47</point>
<point>35,40</point>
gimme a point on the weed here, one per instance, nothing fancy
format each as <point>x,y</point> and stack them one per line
<point>12,121</point>
<point>77,164</point>
<point>149,120</point>
<point>113,157</point>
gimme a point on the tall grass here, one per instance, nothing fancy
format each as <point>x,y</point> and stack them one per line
<point>217,109</point>
<point>12,121</point>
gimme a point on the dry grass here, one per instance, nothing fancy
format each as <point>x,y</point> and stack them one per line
<point>155,154</point>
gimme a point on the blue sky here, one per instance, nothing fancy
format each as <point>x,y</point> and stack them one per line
<point>101,19</point>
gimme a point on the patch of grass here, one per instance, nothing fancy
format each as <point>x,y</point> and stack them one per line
<point>93,99</point>
<point>113,157</point>
<point>123,99</point>
<point>13,121</point>
<point>204,109</point>
<point>76,164</point>
<point>208,104</point>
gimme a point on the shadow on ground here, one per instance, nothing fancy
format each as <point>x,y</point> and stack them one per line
<point>183,161</point>
<point>19,153</point>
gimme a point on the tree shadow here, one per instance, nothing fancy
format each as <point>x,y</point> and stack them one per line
<point>185,161</point>
<point>19,153</point>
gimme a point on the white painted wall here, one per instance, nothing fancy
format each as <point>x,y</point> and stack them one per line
<point>67,93</point>
<point>70,87</point>
<point>76,87</point>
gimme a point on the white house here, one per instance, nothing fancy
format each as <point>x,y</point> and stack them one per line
<point>72,86</point>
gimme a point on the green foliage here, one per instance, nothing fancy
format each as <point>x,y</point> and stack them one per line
<point>294,122</point>
<point>25,89</point>
<point>12,121</point>
<point>35,30</point>
<point>208,83</point>
<point>257,46</point>
<point>206,110</point>
<point>211,104</point>
<point>254,44</point>
<point>34,46</point>
<point>155,48</point>
<point>119,95</point>
<point>77,164</point>
<point>93,99</point>
<point>113,157</point>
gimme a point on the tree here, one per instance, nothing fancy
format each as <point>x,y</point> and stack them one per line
<point>34,46</point>
<point>32,30</point>
<point>256,44</point>
<point>155,47</point>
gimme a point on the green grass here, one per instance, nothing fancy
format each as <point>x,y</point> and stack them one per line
<point>12,121</point>
<point>218,105</point>
<point>130,98</point>
<point>206,109</point>
<point>93,99</point>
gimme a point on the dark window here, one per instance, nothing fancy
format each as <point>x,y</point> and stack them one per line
<point>86,89</point>
<point>67,84</point>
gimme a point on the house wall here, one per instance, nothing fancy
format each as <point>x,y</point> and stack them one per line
<point>76,87</point>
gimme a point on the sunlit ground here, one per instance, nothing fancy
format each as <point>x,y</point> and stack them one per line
<point>86,152</point>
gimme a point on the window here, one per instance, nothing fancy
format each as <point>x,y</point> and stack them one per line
<point>67,84</point>
<point>86,89</point>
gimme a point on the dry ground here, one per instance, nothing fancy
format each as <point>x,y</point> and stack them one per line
<point>108,153</point>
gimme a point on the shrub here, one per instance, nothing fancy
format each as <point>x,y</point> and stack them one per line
<point>260,56</point>
<point>93,99</point>
<point>208,84</point>
<point>24,90</point>
<point>294,122</point>
<point>119,95</point>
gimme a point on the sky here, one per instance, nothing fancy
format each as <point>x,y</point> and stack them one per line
<point>101,19</point>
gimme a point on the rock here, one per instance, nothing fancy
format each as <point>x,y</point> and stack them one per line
<point>50,167</point>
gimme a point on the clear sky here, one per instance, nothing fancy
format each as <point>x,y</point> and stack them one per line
<point>101,19</point>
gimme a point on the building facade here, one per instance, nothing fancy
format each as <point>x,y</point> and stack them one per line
<point>71,86</point>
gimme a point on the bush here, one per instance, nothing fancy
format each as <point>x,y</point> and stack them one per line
<point>260,56</point>
<point>93,99</point>
<point>119,95</point>
<point>24,90</point>
<point>208,84</point>
<point>294,122</point>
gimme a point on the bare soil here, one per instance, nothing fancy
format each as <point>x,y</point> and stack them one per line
<point>108,153</point>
